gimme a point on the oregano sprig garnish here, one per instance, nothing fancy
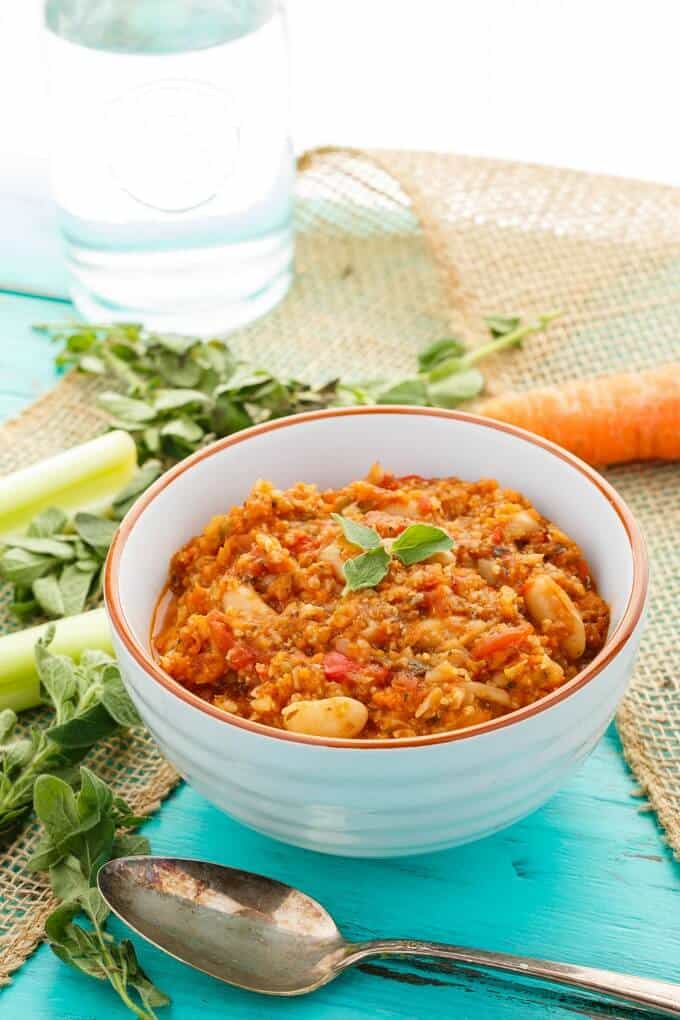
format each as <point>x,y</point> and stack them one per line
<point>416,543</point>
<point>81,832</point>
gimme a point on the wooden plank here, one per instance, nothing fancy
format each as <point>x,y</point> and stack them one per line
<point>586,879</point>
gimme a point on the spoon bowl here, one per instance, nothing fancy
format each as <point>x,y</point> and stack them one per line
<point>243,928</point>
<point>259,934</point>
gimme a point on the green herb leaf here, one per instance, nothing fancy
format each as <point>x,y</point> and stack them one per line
<point>359,393</point>
<point>125,408</point>
<point>67,879</point>
<point>8,719</point>
<point>93,662</point>
<point>367,570</point>
<point>48,595</point>
<point>151,996</point>
<point>59,921</point>
<point>152,439</point>
<point>93,903</point>
<point>420,541</point>
<point>96,531</point>
<point>172,400</point>
<point>176,343</point>
<point>356,533</point>
<point>84,730</point>
<point>116,700</point>
<point>56,672</point>
<point>439,351</point>
<point>453,390</point>
<point>228,416</point>
<point>44,547</point>
<point>94,800</point>
<point>184,429</point>
<point>88,565</point>
<point>55,805</point>
<point>74,586</point>
<point>445,368</point>
<point>93,365</point>
<point>47,523</point>
<point>179,371</point>
<point>408,391</point>
<point>499,325</point>
<point>130,845</point>
<point>23,568</point>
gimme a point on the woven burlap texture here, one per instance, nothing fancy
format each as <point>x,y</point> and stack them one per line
<point>396,249</point>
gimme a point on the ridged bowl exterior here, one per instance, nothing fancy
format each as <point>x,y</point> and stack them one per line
<point>385,802</point>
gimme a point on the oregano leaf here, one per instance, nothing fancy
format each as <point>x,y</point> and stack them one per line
<point>356,533</point>
<point>367,570</point>
<point>419,542</point>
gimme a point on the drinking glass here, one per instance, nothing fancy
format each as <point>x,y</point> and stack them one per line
<point>172,163</point>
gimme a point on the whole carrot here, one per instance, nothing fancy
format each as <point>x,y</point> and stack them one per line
<point>604,420</point>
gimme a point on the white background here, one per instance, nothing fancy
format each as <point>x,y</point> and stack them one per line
<point>590,84</point>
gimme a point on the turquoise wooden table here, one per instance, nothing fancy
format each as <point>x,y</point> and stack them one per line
<point>587,879</point>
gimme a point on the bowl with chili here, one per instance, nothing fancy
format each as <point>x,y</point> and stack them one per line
<point>377,631</point>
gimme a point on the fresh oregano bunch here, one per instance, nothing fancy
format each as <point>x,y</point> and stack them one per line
<point>81,833</point>
<point>416,543</point>
<point>176,393</point>
<point>56,567</point>
<point>89,702</point>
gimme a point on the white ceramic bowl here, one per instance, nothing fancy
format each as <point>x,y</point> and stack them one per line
<point>362,797</point>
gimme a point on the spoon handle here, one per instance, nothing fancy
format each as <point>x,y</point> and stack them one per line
<point>659,995</point>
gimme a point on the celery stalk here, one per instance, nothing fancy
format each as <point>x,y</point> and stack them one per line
<point>86,477</point>
<point>19,684</point>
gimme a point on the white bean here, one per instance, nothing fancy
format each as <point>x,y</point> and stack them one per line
<point>545,600</point>
<point>244,601</point>
<point>490,570</point>
<point>327,717</point>
<point>430,703</point>
<point>520,525</point>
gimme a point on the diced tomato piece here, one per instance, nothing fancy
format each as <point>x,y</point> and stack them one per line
<point>220,632</point>
<point>424,504</point>
<point>337,666</point>
<point>502,642</point>
<point>240,657</point>
<point>497,535</point>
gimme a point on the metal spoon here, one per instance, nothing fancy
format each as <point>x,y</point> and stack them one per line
<point>259,934</point>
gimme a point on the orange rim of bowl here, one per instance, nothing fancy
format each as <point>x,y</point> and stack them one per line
<point>614,644</point>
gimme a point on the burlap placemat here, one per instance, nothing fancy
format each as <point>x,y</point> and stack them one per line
<point>396,249</point>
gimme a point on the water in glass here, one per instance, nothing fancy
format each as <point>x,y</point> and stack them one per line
<point>171,157</point>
